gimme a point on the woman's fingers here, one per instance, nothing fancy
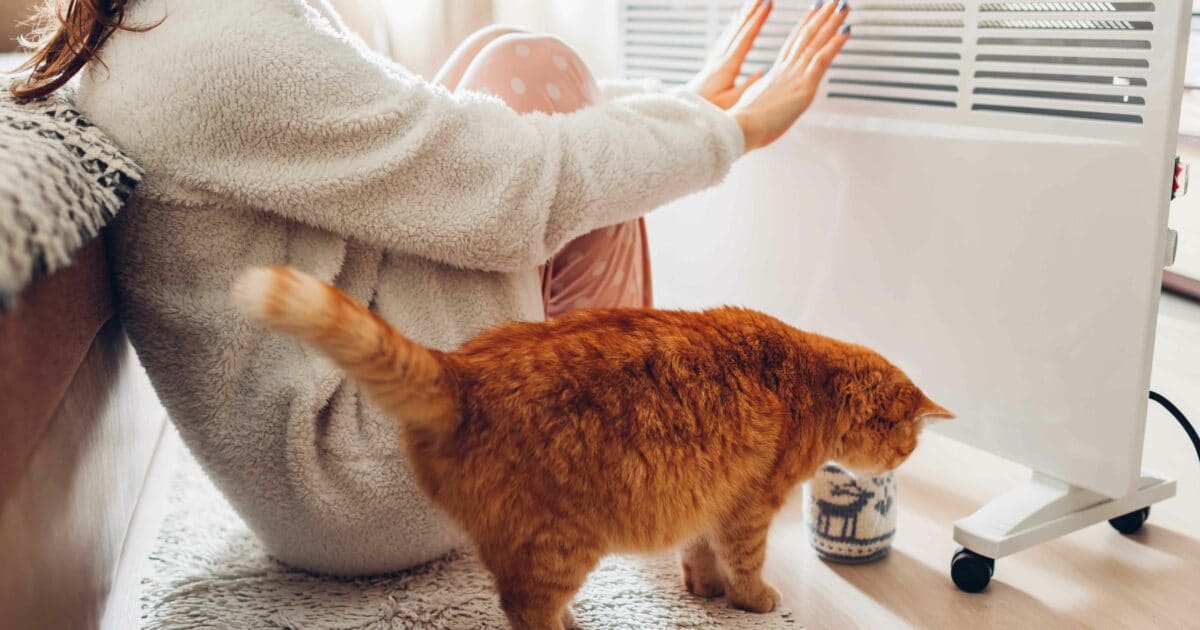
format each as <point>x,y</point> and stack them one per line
<point>717,82</point>
<point>804,31</point>
<point>726,37</point>
<point>796,30</point>
<point>743,41</point>
<point>737,23</point>
<point>822,35</point>
<point>767,112</point>
<point>823,57</point>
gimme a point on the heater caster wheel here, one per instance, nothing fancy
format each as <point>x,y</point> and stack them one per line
<point>970,571</point>
<point>1131,522</point>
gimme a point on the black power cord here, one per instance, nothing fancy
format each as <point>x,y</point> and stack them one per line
<point>1183,421</point>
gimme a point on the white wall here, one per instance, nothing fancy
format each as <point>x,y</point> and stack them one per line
<point>423,33</point>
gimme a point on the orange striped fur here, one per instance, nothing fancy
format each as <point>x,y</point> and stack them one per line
<point>555,443</point>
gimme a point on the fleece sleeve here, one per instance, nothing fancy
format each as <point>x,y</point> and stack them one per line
<point>317,130</point>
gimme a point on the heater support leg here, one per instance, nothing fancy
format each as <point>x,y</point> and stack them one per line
<point>1041,510</point>
<point>1046,508</point>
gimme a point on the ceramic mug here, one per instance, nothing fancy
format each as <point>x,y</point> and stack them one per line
<point>851,519</point>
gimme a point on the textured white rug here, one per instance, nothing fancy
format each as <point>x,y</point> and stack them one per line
<point>210,572</point>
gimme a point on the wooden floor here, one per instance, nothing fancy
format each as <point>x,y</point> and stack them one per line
<point>1094,578</point>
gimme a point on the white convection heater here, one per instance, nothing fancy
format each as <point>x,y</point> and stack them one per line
<point>980,192</point>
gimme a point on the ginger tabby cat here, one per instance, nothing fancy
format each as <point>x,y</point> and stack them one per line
<point>552,444</point>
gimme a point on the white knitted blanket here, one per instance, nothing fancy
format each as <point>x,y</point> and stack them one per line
<point>210,572</point>
<point>61,181</point>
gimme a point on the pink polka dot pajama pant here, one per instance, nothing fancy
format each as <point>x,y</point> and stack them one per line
<point>609,267</point>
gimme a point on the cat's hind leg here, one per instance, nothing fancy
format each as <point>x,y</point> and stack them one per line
<point>741,545</point>
<point>701,571</point>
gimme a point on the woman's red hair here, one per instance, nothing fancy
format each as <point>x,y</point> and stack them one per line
<point>67,35</point>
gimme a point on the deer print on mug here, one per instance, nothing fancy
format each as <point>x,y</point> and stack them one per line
<point>851,519</point>
<point>846,502</point>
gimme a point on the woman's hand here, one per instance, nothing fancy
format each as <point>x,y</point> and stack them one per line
<point>770,108</point>
<point>718,81</point>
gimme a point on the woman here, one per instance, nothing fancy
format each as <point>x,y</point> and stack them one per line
<point>269,135</point>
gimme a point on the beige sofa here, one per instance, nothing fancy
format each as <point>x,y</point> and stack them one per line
<point>84,443</point>
<point>80,427</point>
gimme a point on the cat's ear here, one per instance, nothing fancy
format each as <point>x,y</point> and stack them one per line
<point>928,411</point>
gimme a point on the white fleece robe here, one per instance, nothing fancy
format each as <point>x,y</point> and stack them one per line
<point>270,136</point>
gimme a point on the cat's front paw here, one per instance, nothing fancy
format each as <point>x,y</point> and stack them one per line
<point>703,582</point>
<point>756,598</point>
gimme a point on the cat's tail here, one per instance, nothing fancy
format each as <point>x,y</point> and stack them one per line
<point>404,378</point>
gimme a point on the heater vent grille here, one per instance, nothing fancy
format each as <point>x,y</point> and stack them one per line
<point>1087,62</point>
<point>665,41</point>
<point>1069,65</point>
<point>901,55</point>
<point>931,7</point>
<point>1066,7</point>
<point>905,22</point>
<point>1069,25</point>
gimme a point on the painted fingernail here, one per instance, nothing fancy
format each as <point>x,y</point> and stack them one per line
<point>817,4</point>
<point>845,30</point>
<point>843,5</point>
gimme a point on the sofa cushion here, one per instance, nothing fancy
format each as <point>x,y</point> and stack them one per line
<point>43,340</point>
